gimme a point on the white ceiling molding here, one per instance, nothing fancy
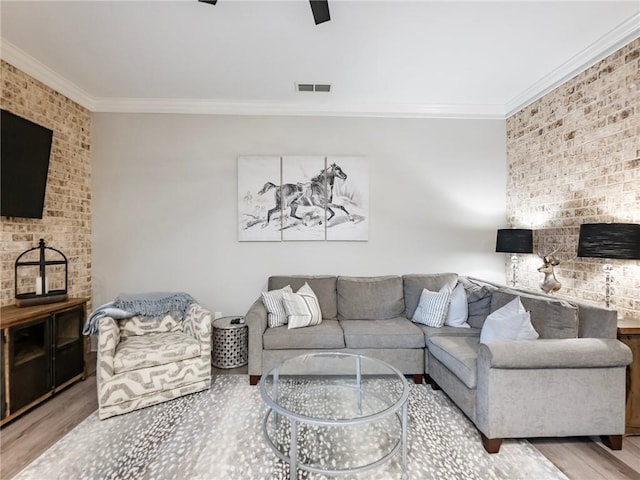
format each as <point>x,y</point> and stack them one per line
<point>607,44</point>
<point>603,47</point>
<point>196,106</point>
<point>38,70</point>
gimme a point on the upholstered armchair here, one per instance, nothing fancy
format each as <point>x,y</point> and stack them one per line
<point>143,363</point>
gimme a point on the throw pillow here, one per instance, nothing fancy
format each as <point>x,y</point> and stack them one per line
<point>272,300</point>
<point>302,307</point>
<point>458,308</point>
<point>479,301</point>
<point>511,322</point>
<point>433,307</point>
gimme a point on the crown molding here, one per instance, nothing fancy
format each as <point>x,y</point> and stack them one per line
<point>607,44</point>
<point>623,34</point>
<point>38,70</point>
<point>214,107</point>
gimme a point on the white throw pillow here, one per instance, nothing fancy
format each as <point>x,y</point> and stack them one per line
<point>511,322</point>
<point>458,308</point>
<point>302,307</point>
<point>433,307</point>
<point>272,300</point>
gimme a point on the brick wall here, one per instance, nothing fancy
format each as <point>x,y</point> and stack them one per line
<point>574,157</point>
<point>66,222</point>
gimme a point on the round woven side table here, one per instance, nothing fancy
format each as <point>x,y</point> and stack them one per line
<point>230,343</point>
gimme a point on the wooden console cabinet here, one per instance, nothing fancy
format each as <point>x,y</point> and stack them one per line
<point>42,352</point>
<point>629,334</point>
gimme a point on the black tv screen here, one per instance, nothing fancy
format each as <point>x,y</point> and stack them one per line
<point>24,162</point>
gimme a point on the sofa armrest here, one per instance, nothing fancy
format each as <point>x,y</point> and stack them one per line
<point>197,323</point>
<point>551,388</point>
<point>560,353</point>
<point>256,320</point>
<point>108,339</point>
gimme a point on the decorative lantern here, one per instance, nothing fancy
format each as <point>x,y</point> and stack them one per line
<point>45,276</point>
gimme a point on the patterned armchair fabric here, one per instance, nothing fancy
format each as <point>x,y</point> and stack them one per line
<point>139,366</point>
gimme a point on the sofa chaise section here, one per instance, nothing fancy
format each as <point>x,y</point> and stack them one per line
<point>562,384</point>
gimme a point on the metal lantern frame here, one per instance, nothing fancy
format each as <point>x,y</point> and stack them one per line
<point>52,296</point>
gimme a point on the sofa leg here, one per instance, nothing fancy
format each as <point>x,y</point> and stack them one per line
<point>491,445</point>
<point>430,381</point>
<point>254,379</point>
<point>614,442</point>
<point>417,378</point>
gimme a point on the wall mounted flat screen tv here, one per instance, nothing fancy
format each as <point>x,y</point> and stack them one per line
<point>24,165</point>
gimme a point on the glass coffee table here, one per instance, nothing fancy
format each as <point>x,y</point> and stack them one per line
<point>335,413</point>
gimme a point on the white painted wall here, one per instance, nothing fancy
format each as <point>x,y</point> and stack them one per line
<point>164,201</point>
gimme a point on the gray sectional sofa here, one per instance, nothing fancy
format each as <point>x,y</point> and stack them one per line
<point>569,382</point>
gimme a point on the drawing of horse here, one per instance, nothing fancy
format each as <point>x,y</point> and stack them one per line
<point>316,193</point>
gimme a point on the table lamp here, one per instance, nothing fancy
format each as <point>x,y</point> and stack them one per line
<point>609,241</point>
<point>514,241</point>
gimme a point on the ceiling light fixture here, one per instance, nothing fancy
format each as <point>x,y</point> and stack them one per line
<point>319,8</point>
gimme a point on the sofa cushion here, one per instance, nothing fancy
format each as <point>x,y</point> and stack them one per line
<point>370,298</point>
<point>458,354</point>
<point>478,300</point>
<point>142,351</point>
<point>391,333</point>
<point>324,286</point>
<point>552,318</point>
<point>413,285</point>
<point>326,335</point>
<point>449,332</point>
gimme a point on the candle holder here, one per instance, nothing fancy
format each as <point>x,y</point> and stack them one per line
<point>42,294</point>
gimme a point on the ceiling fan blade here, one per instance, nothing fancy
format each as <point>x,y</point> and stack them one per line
<point>210,2</point>
<point>320,9</point>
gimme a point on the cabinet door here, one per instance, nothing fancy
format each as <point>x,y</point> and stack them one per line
<point>68,345</point>
<point>3,402</point>
<point>29,362</point>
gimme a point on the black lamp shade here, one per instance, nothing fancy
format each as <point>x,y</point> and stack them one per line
<point>609,240</point>
<point>514,240</point>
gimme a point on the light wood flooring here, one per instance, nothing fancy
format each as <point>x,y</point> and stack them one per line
<point>25,438</point>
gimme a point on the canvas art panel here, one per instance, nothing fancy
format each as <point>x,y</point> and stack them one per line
<point>303,198</point>
<point>256,174</point>
<point>348,199</point>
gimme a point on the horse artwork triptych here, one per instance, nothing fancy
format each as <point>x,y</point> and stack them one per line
<point>302,198</point>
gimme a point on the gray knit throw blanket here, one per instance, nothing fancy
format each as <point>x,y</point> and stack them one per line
<point>155,304</point>
<point>152,306</point>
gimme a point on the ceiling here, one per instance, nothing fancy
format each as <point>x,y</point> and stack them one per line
<point>473,59</point>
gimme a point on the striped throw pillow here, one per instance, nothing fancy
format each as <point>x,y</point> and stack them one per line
<point>302,307</point>
<point>272,300</point>
<point>433,307</point>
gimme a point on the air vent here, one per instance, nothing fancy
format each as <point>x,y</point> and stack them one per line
<point>314,87</point>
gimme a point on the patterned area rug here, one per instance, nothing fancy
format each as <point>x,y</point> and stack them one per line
<point>217,434</point>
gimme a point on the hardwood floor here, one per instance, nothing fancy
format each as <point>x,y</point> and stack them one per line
<point>25,438</point>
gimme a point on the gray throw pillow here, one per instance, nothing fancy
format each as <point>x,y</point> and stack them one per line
<point>479,300</point>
